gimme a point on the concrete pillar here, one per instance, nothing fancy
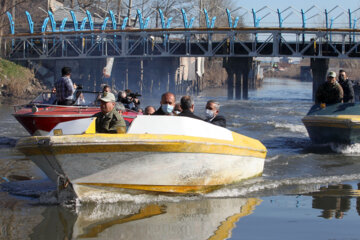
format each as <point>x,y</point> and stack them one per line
<point>241,67</point>
<point>172,73</point>
<point>238,83</point>
<point>319,68</point>
<point>245,85</point>
<point>134,76</point>
<point>230,83</point>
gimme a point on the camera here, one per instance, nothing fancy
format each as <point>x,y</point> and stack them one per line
<point>134,95</point>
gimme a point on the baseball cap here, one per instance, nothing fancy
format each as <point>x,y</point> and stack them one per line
<point>332,74</point>
<point>108,97</point>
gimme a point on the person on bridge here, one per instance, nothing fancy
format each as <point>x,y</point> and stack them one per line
<point>187,106</point>
<point>212,114</point>
<point>347,86</point>
<point>65,88</point>
<point>330,92</point>
<point>108,120</point>
<point>167,104</point>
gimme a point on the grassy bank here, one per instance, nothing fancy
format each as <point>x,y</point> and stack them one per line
<point>17,83</point>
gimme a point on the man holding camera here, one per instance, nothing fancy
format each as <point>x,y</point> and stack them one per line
<point>129,99</point>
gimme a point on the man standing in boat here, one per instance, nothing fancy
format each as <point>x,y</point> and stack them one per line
<point>65,88</point>
<point>167,104</point>
<point>347,86</point>
<point>330,92</point>
<point>109,120</point>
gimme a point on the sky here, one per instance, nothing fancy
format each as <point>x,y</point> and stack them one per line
<point>339,14</point>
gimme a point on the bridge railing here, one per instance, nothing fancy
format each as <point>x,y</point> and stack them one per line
<point>217,42</point>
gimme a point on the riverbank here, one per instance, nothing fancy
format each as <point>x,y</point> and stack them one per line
<point>17,83</point>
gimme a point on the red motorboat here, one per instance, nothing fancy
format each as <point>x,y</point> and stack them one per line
<point>41,115</point>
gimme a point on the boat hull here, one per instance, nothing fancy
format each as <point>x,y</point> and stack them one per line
<point>152,171</point>
<point>142,163</point>
<point>338,123</point>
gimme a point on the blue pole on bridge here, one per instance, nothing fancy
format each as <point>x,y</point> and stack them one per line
<point>230,20</point>
<point>52,21</point>
<point>30,22</point>
<point>256,22</point>
<point>12,27</point>
<point>303,17</point>
<point>74,20</point>
<point>103,26</point>
<point>165,25</point>
<point>62,26</point>
<point>354,27</point>
<point>186,24</point>
<point>142,24</point>
<point>91,23</point>
<point>281,20</point>
<point>208,24</point>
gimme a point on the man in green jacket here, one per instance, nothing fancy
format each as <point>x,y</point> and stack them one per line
<point>330,92</point>
<point>109,120</point>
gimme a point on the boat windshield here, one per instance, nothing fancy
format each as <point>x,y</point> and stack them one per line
<point>45,98</point>
<point>84,98</point>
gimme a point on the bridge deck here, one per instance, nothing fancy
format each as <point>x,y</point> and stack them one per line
<point>203,42</point>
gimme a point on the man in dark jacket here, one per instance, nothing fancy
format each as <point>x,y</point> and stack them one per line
<point>212,114</point>
<point>187,106</point>
<point>347,86</point>
<point>167,104</point>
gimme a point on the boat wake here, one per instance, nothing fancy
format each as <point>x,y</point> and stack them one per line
<point>263,187</point>
<point>296,128</point>
<point>353,149</point>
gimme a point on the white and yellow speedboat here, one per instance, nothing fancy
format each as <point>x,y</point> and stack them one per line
<point>158,153</point>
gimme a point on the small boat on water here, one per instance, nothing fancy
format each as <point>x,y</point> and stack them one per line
<point>157,153</point>
<point>42,114</point>
<point>337,123</point>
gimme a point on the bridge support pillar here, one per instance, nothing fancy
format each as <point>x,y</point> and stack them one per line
<point>238,69</point>
<point>319,68</point>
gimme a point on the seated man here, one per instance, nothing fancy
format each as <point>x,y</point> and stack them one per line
<point>149,110</point>
<point>187,106</point>
<point>177,109</point>
<point>109,120</point>
<point>167,104</point>
<point>330,92</point>
<point>212,114</point>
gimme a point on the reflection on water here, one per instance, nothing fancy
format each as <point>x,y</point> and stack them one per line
<point>335,200</point>
<point>199,219</point>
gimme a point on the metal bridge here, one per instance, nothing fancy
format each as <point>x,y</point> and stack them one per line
<point>186,41</point>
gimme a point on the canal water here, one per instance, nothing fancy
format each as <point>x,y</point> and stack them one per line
<point>306,192</point>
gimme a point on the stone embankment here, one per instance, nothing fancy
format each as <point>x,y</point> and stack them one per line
<point>17,83</point>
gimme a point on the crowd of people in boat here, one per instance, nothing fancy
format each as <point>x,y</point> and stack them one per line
<point>110,120</point>
<point>335,91</point>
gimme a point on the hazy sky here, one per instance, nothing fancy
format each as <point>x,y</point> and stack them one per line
<point>305,4</point>
<point>339,15</point>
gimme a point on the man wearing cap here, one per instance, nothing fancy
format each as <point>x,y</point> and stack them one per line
<point>109,120</point>
<point>330,92</point>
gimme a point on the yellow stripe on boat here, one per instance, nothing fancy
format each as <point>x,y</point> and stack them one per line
<point>158,188</point>
<point>100,143</point>
<point>336,121</point>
